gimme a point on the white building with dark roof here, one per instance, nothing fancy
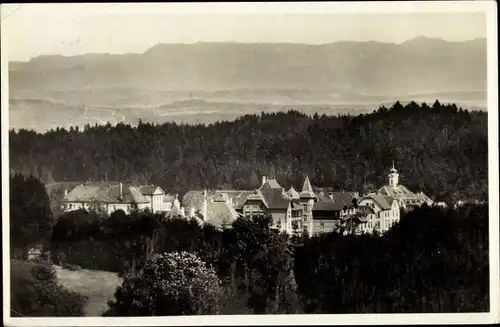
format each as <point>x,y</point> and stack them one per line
<point>383,212</point>
<point>109,197</point>
<point>105,197</point>
<point>406,198</point>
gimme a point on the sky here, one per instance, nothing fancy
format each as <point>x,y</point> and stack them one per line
<point>73,29</point>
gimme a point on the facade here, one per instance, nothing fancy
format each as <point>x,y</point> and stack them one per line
<point>330,215</point>
<point>105,197</point>
<point>159,201</point>
<point>406,198</point>
<point>271,199</point>
<point>383,212</point>
<point>290,210</point>
<point>111,197</point>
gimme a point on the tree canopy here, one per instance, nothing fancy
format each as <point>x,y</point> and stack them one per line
<point>439,149</point>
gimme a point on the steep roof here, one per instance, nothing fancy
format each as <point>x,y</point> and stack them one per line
<point>275,198</point>
<point>270,183</point>
<point>220,214</point>
<point>398,192</point>
<point>385,202</point>
<point>326,204</point>
<point>307,190</point>
<point>293,194</point>
<point>105,193</point>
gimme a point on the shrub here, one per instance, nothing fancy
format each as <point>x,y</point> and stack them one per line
<point>177,283</point>
<point>35,292</point>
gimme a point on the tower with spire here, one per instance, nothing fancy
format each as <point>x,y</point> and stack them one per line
<point>393,176</point>
<point>307,200</point>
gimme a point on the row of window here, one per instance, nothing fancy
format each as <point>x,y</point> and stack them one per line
<point>86,206</point>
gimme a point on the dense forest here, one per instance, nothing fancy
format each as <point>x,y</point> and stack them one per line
<point>439,149</point>
<point>434,260</point>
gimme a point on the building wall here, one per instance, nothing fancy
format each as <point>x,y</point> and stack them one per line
<point>253,208</point>
<point>279,218</point>
<point>308,204</point>
<point>324,226</point>
<point>382,220</point>
<point>157,201</point>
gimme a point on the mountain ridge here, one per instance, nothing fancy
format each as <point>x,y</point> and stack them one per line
<point>277,73</point>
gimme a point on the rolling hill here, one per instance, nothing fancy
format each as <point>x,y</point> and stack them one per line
<point>249,76</point>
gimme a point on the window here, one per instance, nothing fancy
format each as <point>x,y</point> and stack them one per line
<point>322,225</point>
<point>70,205</point>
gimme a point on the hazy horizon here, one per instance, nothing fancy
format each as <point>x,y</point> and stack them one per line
<point>78,29</point>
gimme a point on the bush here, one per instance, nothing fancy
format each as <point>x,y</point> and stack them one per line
<point>177,283</point>
<point>35,292</point>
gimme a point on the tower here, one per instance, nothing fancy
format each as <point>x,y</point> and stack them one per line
<point>393,176</point>
<point>307,200</point>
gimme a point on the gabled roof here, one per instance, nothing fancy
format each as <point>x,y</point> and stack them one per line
<point>105,193</point>
<point>293,194</point>
<point>257,196</point>
<point>270,183</point>
<point>397,192</point>
<point>385,202</point>
<point>307,190</point>
<point>148,189</point>
<point>275,198</point>
<point>220,214</point>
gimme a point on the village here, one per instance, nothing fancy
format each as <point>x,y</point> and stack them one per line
<point>308,209</point>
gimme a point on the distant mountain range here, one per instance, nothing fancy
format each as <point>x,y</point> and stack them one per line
<point>252,76</point>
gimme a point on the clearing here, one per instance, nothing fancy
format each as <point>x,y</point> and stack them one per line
<point>98,286</point>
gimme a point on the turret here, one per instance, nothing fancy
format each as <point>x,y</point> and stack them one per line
<point>393,176</point>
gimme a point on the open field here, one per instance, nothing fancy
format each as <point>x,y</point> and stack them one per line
<point>98,286</point>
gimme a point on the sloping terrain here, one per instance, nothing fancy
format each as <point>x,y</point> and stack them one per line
<point>99,286</point>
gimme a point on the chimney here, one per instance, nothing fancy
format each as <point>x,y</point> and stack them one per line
<point>121,190</point>
<point>264,180</point>
<point>65,193</point>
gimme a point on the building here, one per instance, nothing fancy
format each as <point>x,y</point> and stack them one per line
<point>406,198</point>
<point>159,201</point>
<point>331,215</point>
<point>110,197</point>
<point>382,212</point>
<point>270,199</point>
<point>290,210</point>
<point>218,208</point>
<point>105,197</point>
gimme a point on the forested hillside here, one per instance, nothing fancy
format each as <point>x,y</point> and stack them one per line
<point>439,149</point>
